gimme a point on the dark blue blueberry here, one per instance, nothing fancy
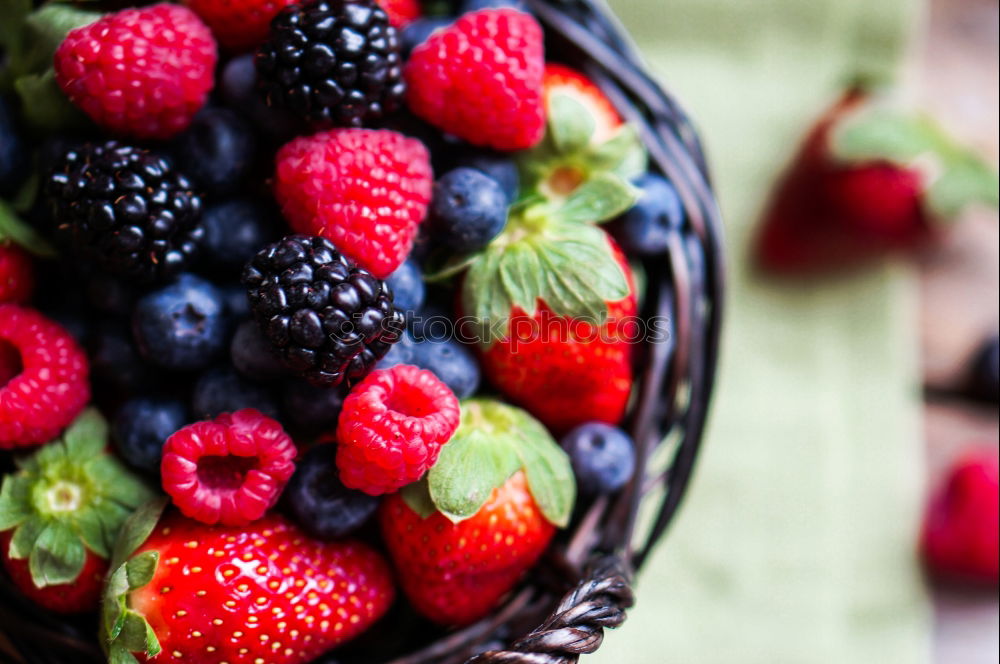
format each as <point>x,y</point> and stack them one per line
<point>238,85</point>
<point>603,457</point>
<point>115,364</point>
<point>984,381</point>
<point>400,352</point>
<point>417,32</point>
<point>476,5</point>
<point>657,215</point>
<point>216,151</point>
<point>499,167</point>
<point>235,231</point>
<point>468,210</point>
<point>181,326</point>
<point>432,323</point>
<point>252,354</point>
<point>407,285</point>
<point>451,362</point>
<point>222,390</point>
<point>312,409</point>
<point>110,295</point>
<point>141,427</point>
<point>234,296</point>
<point>13,152</point>
<point>319,503</point>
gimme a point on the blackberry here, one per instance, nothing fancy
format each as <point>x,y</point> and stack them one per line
<point>332,62</point>
<point>329,320</point>
<point>126,209</point>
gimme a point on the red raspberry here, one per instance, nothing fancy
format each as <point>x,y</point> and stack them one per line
<point>401,12</point>
<point>366,190</point>
<point>392,427</point>
<point>230,470</point>
<point>481,79</point>
<point>17,275</point>
<point>239,25</point>
<point>140,72</point>
<point>48,384</point>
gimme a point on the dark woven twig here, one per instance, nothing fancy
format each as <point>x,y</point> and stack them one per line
<point>674,379</point>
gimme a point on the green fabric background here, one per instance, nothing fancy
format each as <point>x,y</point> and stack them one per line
<point>795,544</point>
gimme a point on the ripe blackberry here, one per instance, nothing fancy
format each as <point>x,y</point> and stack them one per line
<point>329,320</point>
<point>332,62</point>
<point>126,209</point>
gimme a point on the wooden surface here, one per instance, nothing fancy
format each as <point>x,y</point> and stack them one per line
<point>955,76</point>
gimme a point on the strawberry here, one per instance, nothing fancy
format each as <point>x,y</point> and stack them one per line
<point>562,81</point>
<point>860,188</point>
<point>486,512</point>
<point>59,515</point>
<point>237,594</point>
<point>17,274</point>
<point>962,526</point>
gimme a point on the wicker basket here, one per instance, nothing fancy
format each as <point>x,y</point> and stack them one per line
<point>596,561</point>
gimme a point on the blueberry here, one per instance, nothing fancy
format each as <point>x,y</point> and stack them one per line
<point>115,364</point>
<point>657,215</point>
<point>238,84</point>
<point>141,427</point>
<point>499,167</point>
<point>222,390</point>
<point>407,285</point>
<point>400,352</point>
<point>984,381</point>
<point>13,152</point>
<point>252,354</point>
<point>319,503</point>
<point>468,210</point>
<point>603,457</point>
<point>235,230</point>
<point>312,409</point>
<point>181,326</point>
<point>451,362</point>
<point>216,151</point>
<point>234,297</point>
<point>111,296</point>
<point>476,5</point>
<point>417,32</point>
<point>431,323</point>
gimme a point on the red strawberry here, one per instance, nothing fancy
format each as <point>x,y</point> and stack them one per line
<point>239,25</point>
<point>17,275</point>
<point>481,79</point>
<point>961,536</point>
<point>60,513</point>
<point>565,370</point>
<point>239,594</point>
<point>562,80</point>
<point>140,72</point>
<point>855,191</point>
<point>366,190</point>
<point>488,510</point>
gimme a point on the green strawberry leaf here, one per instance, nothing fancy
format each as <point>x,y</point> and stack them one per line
<point>570,124</point>
<point>57,556</point>
<point>46,107</point>
<point>15,494</point>
<point>25,536</point>
<point>417,497</point>
<point>12,35</point>
<point>18,232</point>
<point>87,436</point>
<point>140,569</point>
<point>494,441</point>
<point>887,134</point>
<point>133,633</point>
<point>120,655</point>
<point>964,182</point>
<point>91,527</point>
<point>602,197</point>
<point>47,28</point>
<point>623,154</point>
<point>113,603</point>
<point>570,267</point>
<point>136,530</point>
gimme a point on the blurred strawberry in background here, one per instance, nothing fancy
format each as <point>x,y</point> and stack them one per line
<point>867,181</point>
<point>962,524</point>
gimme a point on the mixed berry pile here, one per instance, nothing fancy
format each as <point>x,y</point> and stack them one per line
<point>296,299</point>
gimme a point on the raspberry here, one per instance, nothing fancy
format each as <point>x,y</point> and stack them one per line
<point>230,470</point>
<point>401,12</point>
<point>239,25</point>
<point>481,79</point>
<point>392,427</point>
<point>140,72</point>
<point>366,190</point>
<point>17,275</point>
<point>48,378</point>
